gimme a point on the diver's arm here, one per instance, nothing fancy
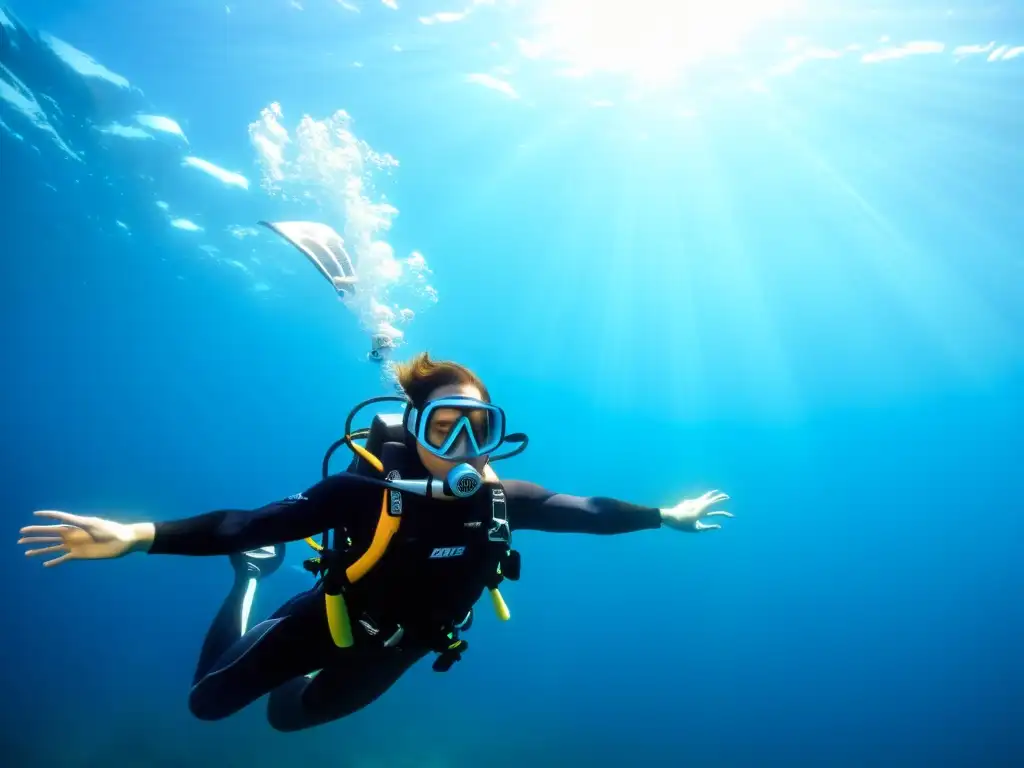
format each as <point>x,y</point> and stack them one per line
<point>531,507</point>
<point>77,537</point>
<point>226,531</point>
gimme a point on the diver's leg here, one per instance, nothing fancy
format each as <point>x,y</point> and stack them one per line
<point>232,620</point>
<point>290,644</point>
<point>353,679</point>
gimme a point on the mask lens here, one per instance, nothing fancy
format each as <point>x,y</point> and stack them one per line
<point>440,425</point>
<point>481,423</point>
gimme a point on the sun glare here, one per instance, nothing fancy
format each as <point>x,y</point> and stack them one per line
<point>653,41</point>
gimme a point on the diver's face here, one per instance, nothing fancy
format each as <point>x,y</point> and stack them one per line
<point>440,425</point>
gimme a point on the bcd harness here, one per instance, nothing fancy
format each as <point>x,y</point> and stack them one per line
<point>340,571</point>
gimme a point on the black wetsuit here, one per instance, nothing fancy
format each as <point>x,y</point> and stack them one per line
<point>276,655</point>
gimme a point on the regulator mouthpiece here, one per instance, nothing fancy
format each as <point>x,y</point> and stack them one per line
<point>463,481</point>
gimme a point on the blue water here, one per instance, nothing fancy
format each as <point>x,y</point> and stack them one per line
<point>794,272</point>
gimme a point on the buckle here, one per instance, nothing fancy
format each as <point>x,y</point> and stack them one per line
<point>511,565</point>
<point>371,629</point>
<point>449,655</point>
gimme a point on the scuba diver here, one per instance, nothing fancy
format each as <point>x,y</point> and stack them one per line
<point>412,534</point>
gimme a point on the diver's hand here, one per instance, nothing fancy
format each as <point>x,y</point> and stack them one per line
<point>85,538</point>
<point>688,514</point>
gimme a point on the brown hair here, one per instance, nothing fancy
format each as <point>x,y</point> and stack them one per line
<point>420,376</point>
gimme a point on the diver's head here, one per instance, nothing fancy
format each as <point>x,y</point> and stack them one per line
<point>450,415</point>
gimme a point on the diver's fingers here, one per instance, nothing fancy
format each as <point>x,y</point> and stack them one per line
<point>46,550</point>
<point>59,560</point>
<point>706,526</point>
<point>718,513</point>
<point>64,517</point>
<point>44,530</point>
<point>39,539</point>
<point>713,497</point>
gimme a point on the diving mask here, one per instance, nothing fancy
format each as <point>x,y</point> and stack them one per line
<point>457,428</point>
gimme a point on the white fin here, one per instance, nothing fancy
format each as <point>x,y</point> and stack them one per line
<point>323,247</point>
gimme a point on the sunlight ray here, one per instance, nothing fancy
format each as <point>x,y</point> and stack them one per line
<point>954,320</point>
